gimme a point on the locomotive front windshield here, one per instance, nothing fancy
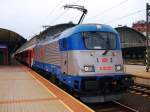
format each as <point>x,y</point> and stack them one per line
<point>99,40</point>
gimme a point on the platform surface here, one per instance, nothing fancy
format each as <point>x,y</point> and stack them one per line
<point>137,70</point>
<point>23,90</point>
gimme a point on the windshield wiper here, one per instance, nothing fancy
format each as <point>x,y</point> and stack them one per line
<point>105,52</point>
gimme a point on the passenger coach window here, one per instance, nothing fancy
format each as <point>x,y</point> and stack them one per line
<point>99,40</point>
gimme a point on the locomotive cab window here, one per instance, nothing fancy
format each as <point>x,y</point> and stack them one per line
<point>99,40</point>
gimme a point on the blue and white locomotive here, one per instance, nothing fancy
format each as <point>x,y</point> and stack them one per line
<point>87,58</point>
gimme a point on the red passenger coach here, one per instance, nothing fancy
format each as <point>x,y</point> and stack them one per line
<point>30,56</point>
<point>26,57</point>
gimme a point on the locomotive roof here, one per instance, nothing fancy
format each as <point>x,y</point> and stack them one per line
<point>47,32</point>
<point>67,30</point>
<point>52,30</point>
<point>87,27</point>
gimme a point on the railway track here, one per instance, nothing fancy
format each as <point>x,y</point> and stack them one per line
<point>113,106</point>
<point>139,89</point>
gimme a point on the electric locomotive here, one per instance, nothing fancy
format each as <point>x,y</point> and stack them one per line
<point>87,58</point>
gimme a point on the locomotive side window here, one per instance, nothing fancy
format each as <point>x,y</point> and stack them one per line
<point>64,42</point>
<point>99,40</point>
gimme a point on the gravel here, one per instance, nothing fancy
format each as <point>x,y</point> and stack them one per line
<point>137,102</point>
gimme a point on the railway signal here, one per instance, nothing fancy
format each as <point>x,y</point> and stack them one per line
<point>147,36</point>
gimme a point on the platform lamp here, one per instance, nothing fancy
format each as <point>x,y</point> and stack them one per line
<point>147,37</point>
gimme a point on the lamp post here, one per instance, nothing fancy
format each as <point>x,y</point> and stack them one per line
<point>147,37</point>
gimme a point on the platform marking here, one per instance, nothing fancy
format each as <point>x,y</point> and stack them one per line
<point>49,91</point>
<point>66,106</point>
<point>15,79</point>
<point>27,100</point>
<point>60,90</point>
<point>42,84</point>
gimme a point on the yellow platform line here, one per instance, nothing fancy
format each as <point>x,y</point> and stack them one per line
<point>42,85</point>
<point>62,91</point>
<point>50,91</point>
<point>66,105</point>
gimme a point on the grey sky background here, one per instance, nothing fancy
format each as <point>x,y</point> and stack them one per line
<point>27,17</point>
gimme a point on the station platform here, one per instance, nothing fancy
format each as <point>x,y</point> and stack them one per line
<point>137,70</point>
<point>23,90</point>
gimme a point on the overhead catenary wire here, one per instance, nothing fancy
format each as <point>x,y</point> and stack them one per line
<point>62,14</point>
<point>51,12</point>
<point>58,17</point>
<point>108,9</point>
<point>125,16</point>
<point>56,6</point>
<point>76,2</point>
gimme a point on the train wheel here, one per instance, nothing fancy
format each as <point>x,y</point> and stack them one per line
<point>53,79</point>
<point>60,84</point>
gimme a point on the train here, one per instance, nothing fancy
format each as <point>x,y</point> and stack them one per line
<point>86,58</point>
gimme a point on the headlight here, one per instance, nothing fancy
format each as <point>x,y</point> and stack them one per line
<point>89,68</point>
<point>118,67</point>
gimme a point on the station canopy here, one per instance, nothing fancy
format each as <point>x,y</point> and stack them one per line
<point>11,40</point>
<point>131,38</point>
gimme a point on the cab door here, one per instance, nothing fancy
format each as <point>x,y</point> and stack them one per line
<point>64,55</point>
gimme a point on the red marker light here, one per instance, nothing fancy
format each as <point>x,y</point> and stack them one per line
<point>104,60</point>
<point>105,68</point>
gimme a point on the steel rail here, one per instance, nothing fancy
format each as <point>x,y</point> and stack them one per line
<point>127,107</point>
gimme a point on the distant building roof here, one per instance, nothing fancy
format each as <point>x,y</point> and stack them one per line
<point>141,27</point>
<point>131,37</point>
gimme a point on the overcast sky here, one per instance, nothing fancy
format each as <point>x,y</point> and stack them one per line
<point>27,17</point>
